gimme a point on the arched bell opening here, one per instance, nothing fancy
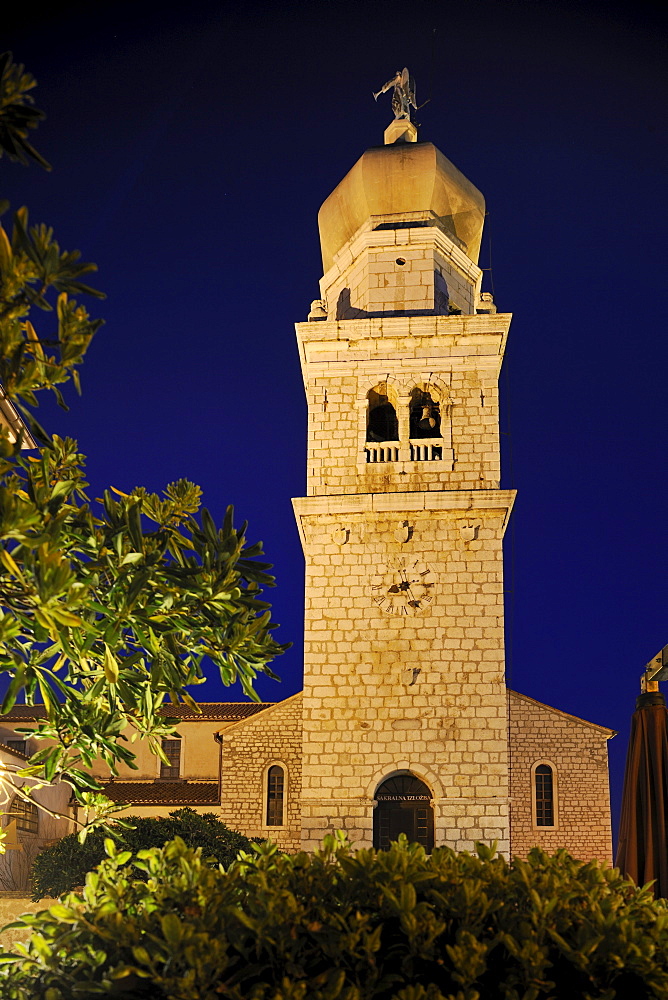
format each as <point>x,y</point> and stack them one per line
<point>425,415</point>
<point>403,805</point>
<point>382,423</point>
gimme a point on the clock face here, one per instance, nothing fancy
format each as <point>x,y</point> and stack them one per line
<point>404,587</point>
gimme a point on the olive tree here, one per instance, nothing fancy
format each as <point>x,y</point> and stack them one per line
<point>108,609</point>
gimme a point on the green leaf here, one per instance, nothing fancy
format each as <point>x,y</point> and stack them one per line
<point>62,489</point>
<point>65,617</point>
<point>64,913</point>
<point>9,563</point>
<point>171,928</point>
<point>134,526</point>
<point>131,558</point>
<point>110,665</point>
<point>13,690</point>
<point>80,779</point>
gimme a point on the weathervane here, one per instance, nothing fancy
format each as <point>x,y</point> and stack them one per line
<point>403,97</point>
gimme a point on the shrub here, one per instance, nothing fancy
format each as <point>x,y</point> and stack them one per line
<point>64,866</point>
<point>338,925</point>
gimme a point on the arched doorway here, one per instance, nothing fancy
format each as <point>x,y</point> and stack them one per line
<point>403,805</point>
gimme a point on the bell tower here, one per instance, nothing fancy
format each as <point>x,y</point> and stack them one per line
<point>404,712</point>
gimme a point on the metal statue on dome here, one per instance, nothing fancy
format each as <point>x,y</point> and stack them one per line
<point>403,97</point>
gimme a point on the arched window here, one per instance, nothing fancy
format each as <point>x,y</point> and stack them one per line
<point>382,424</point>
<point>425,415</point>
<point>275,795</point>
<point>26,815</point>
<point>544,795</point>
<point>403,805</point>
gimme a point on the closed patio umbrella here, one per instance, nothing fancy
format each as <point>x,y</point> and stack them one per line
<point>642,853</point>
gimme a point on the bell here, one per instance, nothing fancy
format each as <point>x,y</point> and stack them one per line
<point>427,417</point>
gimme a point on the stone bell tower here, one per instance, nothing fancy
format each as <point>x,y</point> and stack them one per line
<point>405,717</point>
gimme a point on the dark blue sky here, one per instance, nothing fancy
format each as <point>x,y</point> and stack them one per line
<point>192,146</point>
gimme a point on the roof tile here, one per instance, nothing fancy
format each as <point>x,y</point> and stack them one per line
<point>172,793</point>
<point>211,711</point>
<point>14,751</point>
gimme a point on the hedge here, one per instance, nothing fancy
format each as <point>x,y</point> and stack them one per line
<point>64,866</point>
<point>344,925</point>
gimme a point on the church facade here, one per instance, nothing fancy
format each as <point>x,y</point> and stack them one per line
<point>405,723</point>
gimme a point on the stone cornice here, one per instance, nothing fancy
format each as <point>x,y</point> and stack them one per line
<point>376,327</point>
<point>461,341</point>
<point>436,502</point>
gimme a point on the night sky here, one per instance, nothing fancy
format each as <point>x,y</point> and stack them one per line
<point>192,146</point>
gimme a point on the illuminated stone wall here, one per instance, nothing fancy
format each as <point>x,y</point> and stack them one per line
<point>393,684</point>
<point>249,748</point>
<point>400,270</point>
<point>404,663</point>
<point>459,356</point>
<point>577,751</point>
<point>423,693</point>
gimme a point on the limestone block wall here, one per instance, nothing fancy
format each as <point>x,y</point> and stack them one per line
<point>378,282</point>
<point>577,752</point>
<point>249,748</point>
<point>400,270</point>
<point>462,294</point>
<point>337,436</point>
<point>462,360</point>
<point>386,692</point>
<point>400,280</point>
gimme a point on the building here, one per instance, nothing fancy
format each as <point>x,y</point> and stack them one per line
<point>191,779</point>
<point>405,723</point>
<point>29,825</point>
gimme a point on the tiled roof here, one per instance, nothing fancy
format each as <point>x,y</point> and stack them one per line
<point>212,711</point>
<point>163,793</point>
<point>216,711</point>
<point>24,713</point>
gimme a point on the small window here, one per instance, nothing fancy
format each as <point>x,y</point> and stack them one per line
<point>26,815</point>
<point>275,791</point>
<point>544,796</point>
<point>172,751</point>
<point>16,744</point>
<point>441,295</point>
